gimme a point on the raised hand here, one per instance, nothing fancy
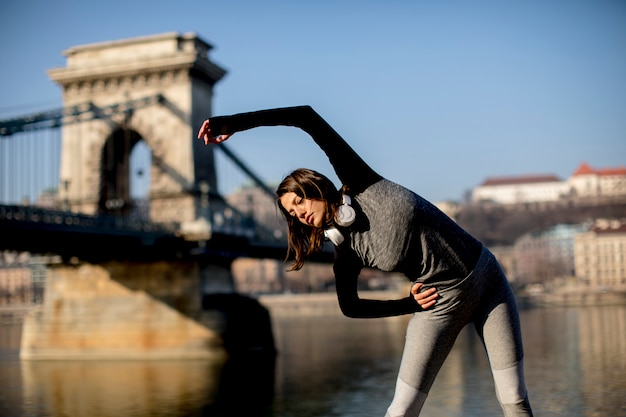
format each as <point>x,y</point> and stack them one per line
<point>205,133</point>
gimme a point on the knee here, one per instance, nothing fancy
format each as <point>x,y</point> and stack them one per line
<point>407,401</point>
<point>510,384</point>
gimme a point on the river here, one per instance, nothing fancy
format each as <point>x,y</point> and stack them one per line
<point>332,366</point>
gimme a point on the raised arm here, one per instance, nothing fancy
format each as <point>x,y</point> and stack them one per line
<point>348,165</point>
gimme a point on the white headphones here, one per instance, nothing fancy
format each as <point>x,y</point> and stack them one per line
<point>344,217</point>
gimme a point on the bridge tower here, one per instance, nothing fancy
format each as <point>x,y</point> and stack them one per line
<point>157,89</point>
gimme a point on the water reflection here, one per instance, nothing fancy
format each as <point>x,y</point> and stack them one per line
<point>336,366</point>
<point>603,360</point>
<point>246,379</point>
<point>118,388</point>
<point>333,367</point>
<point>246,387</point>
<point>238,386</point>
<point>576,360</point>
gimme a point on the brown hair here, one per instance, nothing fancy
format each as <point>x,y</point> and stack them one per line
<point>305,240</point>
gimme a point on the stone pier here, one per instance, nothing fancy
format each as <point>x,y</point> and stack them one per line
<point>121,311</point>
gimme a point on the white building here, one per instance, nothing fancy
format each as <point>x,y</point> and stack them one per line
<point>519,190</point>
<point>586,182</point>
<point>607,182</point>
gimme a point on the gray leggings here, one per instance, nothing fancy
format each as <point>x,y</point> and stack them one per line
<point>485,299</point>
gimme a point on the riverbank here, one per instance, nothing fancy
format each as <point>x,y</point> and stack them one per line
<point>315,304</point>
<point>321,304</point>
<point>574,297</point>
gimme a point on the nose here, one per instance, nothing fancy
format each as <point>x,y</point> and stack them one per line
<point>300,212</point>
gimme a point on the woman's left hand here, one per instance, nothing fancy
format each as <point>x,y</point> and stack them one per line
<point>426,298</point>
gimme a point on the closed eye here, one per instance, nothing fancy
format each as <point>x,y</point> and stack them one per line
<point>297,201</point>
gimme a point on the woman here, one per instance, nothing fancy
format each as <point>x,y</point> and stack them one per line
<point>376,223</point>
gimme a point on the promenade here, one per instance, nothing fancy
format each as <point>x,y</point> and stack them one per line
<point>577,296</point>
<point>315,304</point>
<point>324,304</point>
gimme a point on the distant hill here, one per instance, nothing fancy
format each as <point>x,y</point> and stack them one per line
<point>496,224</point>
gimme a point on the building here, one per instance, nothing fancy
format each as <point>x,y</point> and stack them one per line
<point>22,278</point>
<point>600,254</point>
<point>258,204</point>
<point>546,255</point>
<point>585,183</point>
<point>508,262</point>
<point>521,190</point>
<point>590,183</point>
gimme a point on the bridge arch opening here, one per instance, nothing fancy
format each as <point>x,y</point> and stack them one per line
<point>141,179</point>
<point>125,175</point>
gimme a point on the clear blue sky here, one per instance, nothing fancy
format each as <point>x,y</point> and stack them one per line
<point>437,95</point>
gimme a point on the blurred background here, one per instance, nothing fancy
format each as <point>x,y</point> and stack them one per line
<point>509,116</point>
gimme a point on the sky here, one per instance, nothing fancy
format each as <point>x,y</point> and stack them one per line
<point>437,95</point>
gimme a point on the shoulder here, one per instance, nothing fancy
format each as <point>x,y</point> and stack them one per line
<point>387,189</point>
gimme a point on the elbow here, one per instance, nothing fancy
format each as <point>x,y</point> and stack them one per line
<point>307,111</point>
<point>348,309</point>
<point>348,313</point>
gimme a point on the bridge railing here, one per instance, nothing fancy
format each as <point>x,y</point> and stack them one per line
<point>29,165</point>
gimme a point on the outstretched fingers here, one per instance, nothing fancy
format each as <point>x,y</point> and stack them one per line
<point>205,133</point>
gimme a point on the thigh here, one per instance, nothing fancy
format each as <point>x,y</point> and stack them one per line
<point>429,339</point>
<point>498,324</point>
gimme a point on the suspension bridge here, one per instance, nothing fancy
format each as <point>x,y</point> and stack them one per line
<point>115,190</point>
<point>35,219</point>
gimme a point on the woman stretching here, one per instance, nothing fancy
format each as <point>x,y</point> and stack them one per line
<point>376,223</point>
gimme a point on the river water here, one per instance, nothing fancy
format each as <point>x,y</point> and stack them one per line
<point>332,366</point>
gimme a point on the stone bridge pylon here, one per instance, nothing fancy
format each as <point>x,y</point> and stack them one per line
<point>156,89</point>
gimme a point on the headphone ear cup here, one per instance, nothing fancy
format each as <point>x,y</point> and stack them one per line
<point>334,235</point>
<point>345,215</point>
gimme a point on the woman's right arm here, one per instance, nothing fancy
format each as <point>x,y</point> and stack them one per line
<point>348,165</point>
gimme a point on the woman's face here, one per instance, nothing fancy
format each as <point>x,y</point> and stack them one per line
<point>307,211</point>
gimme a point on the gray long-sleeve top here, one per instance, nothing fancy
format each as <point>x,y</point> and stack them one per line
<point>396,230</point>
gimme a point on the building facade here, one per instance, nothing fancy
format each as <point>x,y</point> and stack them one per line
<point>521,190</point>
<point>585,183</point>
<point>589,182</point>
<point>22,279</point>
<point>600,254</point>
<point>548,254</point>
